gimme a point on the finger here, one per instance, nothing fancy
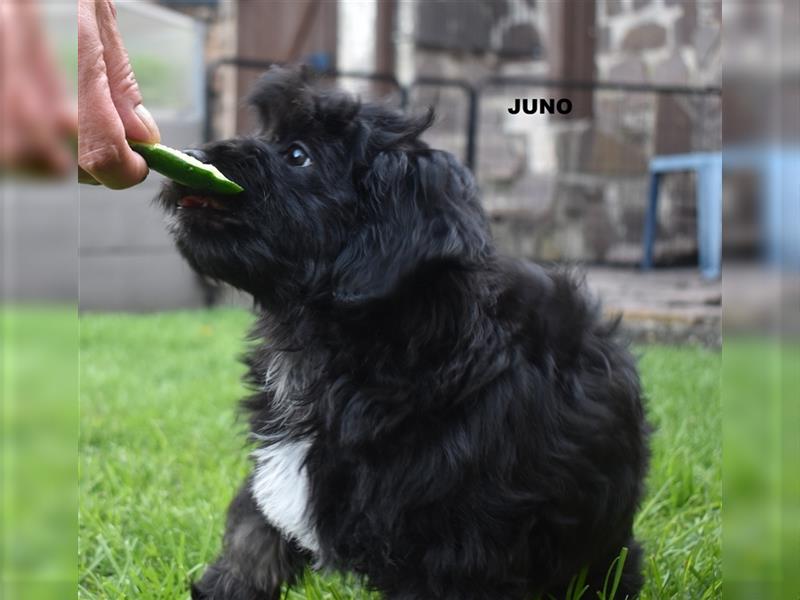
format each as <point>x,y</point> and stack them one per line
<point>36,152</point>
<point>102,148</point>
<point>45,147</point>
<point>31,141</point>
<point>52,88</point>
<point>28,140</point>
<point>139,124</point>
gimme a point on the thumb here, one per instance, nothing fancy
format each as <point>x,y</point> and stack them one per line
<point>137,120</point>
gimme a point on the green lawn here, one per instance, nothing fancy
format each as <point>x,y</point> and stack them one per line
<point>162,453</point>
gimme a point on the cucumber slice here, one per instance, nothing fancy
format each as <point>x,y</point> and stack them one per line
<point>185,169</point>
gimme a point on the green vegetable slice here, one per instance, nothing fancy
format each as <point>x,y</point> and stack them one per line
<point>185,169</point>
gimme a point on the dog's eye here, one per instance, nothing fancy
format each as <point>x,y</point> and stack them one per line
<point>297,156</point>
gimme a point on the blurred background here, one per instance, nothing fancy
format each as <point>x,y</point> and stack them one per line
<point>629,185</point>
<point>643,78</point>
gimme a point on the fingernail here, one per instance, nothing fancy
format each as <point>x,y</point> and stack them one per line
<point>148,121</point>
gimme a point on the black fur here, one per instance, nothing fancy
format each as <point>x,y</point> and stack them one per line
<point>477,431</point>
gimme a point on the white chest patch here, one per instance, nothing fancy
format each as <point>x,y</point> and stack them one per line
<point>280,488</point>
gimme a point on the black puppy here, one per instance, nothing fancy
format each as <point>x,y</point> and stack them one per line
<point>446,423</point>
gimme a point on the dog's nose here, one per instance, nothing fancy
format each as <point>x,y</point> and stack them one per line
<point>196,153</point>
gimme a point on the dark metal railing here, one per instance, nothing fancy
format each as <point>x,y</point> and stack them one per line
<point>473,91</point>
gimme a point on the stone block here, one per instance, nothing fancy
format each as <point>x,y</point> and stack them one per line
<point>629,117</point>
<point>604,38</point>
<point>502,157</point>
<point>573,199</point>
<point>449,25</point>
<point>671,71</point>
<point>582,223</point>
<point>614,7</point>
<point>530,193</point>
<point>628,203</point>
<point>521,39</point>
<point>498,8</point>
<point>455,25</point>
<point>717,4</point>
<point>517,233</point>
<point>630,70</point>
<point>706,42</point>
<point>568,145</point>
<point>646,36</point>
<point>598,232</point>
<point>687,23</point>
<point>608,153</point>
<point>673,127</point>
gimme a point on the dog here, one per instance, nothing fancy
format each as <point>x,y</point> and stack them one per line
<point>444,422</point>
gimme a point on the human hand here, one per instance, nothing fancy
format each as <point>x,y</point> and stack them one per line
<point>37,119</point>
<point>110,108</point>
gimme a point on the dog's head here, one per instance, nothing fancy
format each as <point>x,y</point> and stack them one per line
<point>343,204</point>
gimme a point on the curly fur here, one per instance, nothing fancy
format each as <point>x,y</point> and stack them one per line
<point>471,428</point>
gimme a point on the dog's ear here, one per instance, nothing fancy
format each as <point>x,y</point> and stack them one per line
<point>420,213</point>
<point>283,98</point>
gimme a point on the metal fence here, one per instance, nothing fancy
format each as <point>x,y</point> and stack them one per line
<point>472,92</point>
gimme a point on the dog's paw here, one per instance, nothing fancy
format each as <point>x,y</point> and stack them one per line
<point>219,584</point>
<point>196,593</point>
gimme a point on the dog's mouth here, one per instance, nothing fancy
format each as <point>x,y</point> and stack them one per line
<point>202,210</point>
<point>196,202</point>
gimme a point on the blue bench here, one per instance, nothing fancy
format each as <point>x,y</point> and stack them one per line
<point>708,168</point>
<point>777,167</point>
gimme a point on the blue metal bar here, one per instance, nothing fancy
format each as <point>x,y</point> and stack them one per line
<point>708,167</point>
<point>682,162</point>
<point>778,170</point>
<point>709,217</point>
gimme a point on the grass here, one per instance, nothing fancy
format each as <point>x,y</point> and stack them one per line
<point>38,424</point>
<point>160,460</point>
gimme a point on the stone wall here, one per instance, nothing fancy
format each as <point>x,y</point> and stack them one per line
<point>665,42</point>
<point>575,188</point>
<point>558,188</point>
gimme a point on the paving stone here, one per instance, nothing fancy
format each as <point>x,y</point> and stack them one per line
<point>662,305</point>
